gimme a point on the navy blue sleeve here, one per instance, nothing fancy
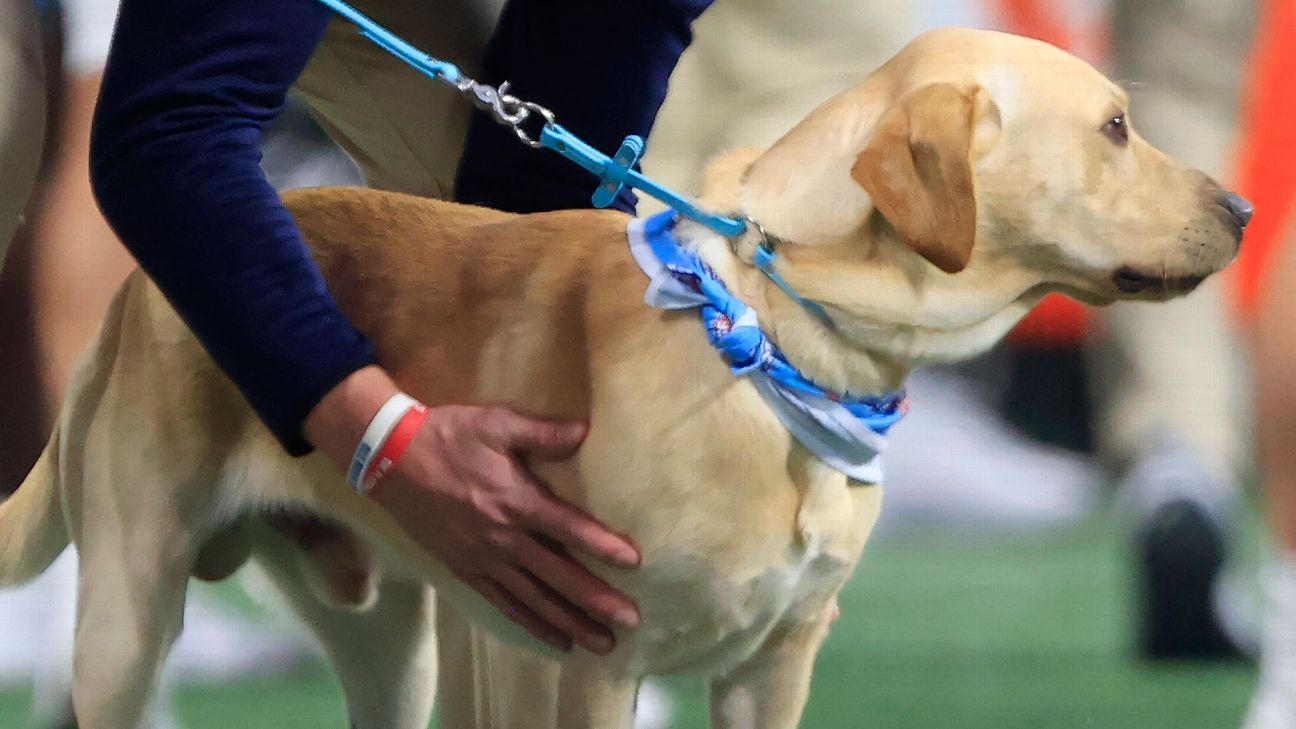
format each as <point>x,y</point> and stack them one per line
<point>601,65</point>
<point>189,88</point>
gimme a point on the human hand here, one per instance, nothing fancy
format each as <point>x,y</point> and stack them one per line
<point>461,491</point>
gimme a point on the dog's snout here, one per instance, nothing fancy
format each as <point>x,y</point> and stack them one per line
<point>1239,208</point>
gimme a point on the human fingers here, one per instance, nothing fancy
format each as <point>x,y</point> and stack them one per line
<point>548,439</point>
<point>568,525</point>
<point>515,610</point>
<point>574,583</point>
<point>556,611</point>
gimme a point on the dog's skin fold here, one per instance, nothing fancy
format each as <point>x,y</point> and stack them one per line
<point>926,209</point>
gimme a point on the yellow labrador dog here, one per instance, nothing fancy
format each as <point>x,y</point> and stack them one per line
<point>925,210</point>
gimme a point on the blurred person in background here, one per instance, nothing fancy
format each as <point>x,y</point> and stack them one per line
<point>1265,273</point>
<point>23,107</point>
<point>22,115</point>
<point>1164,379</point>
<point>1170,382</point>
<point>1274,703</point>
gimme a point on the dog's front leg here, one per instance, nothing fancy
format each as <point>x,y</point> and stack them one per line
<point>769,690</point>
<point>495,685</point>
<point>492,685</point>
<point>592,694</point>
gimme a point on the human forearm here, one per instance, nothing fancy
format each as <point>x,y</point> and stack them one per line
<point>337,423</point>
<point>175,168</point>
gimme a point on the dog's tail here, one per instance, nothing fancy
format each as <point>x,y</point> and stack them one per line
<point>32,532</point>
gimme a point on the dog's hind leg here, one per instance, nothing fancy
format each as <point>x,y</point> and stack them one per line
<point>384,655</point>
<point>769,690</point>
<point>130,608</point>
<point>137,542</point>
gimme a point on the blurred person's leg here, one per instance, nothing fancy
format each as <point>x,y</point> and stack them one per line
<point>1274,704</point>
<point>757,67</point>
<point>25,46</point>
<point>1265,288</point>
<point>22,113</point>
<point>76,263</point>
<point>1168,375</point>
<point>404,130</point>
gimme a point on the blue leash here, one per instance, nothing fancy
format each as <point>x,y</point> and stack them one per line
<point>614,173</point>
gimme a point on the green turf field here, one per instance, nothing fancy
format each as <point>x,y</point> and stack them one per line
<point>937,631</point>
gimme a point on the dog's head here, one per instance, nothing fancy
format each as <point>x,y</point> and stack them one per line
<point>994,159</point>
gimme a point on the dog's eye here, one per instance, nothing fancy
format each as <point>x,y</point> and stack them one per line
<point>1117,130</point>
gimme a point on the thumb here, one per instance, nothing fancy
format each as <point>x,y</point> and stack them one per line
<point>544,438</point>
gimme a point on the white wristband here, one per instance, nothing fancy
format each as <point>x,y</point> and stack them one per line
<point>380,428</point>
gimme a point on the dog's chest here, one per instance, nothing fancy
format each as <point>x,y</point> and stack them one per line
<point>832,525</point>
<point>727,615</point>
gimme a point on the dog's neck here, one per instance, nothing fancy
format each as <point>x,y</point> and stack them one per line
<point>890,310</point>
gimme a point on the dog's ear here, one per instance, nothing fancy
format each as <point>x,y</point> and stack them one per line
<point>917,168</point>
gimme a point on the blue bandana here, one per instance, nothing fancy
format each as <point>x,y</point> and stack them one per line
<point>846,432</point>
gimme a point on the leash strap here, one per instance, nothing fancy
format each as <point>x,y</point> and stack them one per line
<point>614,173</point>
<point>619,171</point>
<point>764,259</point>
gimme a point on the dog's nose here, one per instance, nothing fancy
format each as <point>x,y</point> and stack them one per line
<point>1239,208</point>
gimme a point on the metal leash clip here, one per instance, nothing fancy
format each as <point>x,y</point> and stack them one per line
<point>505,108</point>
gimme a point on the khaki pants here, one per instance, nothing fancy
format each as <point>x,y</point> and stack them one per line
<point>22,115</point>
<point>757,67</point>
<point>404,130</point>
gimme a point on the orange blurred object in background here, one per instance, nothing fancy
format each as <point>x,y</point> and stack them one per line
<point>1266,172</point>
